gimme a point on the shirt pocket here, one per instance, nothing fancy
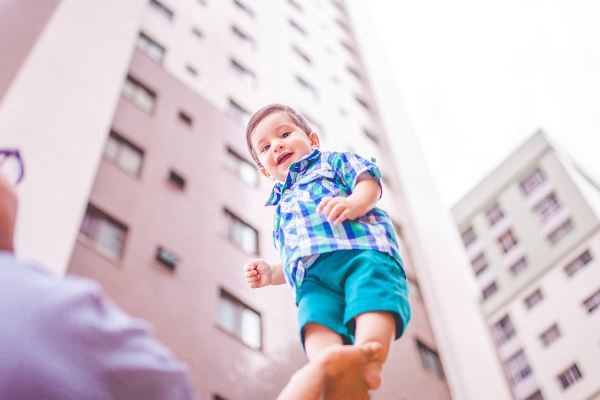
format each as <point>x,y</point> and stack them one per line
<point>317,184</point>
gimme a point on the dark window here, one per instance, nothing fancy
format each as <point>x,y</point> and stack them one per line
<point>430,359</point>
<point>177,180</point>
<point>240,233</point>
<point>238,112</point>
<point>307,87</point>
<point>297,27</point>
<point>503,330</point>
<point>550,335</point>
<point>479,264</point>
<point>517,368</point>
<point>507,241</point>
<point>535,179</point>
<point>240,321</point>
<point>139,94</point>
<point>468,236</point>
<point>161,9</point>
<point>295,4</point>
<point>243,73</point>
<point>166,257</point>
<point>354,72</point>
<point>241,167</point>
<point>563,229</point>
<point>301,54</point>
<point>371,136</point>
<point>246,39</point>
<point>489,290</point>
<point>197,32</point>
<point>494,214</point>
<point>534,298</point>
<point>185,118</point>
<point>106,233</point>
<point>124,154</point>
<point>150,47</point>
<point>547,207</point>
<point>569,376</point>
<point>247,10</point>
<point>535,396</point>
<point>518,267</point>
<point>363,103</point>
<point>191,70</point>
<point>591,303</point>
<point>580,262</point>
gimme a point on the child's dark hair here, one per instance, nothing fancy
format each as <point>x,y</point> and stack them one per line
<point>264,112</point>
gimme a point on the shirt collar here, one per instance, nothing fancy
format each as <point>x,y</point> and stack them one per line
<point>295,169</point>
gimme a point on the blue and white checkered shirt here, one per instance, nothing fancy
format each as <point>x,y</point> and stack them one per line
<point>301,233</point>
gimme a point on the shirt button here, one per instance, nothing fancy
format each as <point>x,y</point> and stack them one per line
<point>287,191</point>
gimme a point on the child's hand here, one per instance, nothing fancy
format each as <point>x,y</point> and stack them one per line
<point>258,273</point>
<point>339,209</point>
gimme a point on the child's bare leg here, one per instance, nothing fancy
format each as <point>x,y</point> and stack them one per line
<point>317,338</point>
<point>378,327</point>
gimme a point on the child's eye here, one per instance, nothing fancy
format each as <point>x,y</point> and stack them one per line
<point>264,148</point>
<point>285,134</point>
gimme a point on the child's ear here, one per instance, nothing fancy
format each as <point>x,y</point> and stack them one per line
<point>314,140</point>
<point>264,172</point>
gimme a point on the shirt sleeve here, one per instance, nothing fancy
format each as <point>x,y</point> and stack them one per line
<point>349,166</point>
<point>128,361</point>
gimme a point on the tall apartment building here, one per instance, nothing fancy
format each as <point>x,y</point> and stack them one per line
<point>130,117</point>
<point>532,231</point>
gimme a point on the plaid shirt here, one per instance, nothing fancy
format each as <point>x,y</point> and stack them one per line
<point>301,234</point>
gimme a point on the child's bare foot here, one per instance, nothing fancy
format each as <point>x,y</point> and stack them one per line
<point>344,371</point>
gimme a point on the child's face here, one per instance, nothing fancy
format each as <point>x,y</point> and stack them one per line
<point>278,143</point>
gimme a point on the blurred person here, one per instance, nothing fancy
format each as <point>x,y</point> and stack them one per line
<point>339,252</point>
<point>64,339</point>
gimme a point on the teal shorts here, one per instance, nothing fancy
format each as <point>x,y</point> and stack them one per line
<point>344,284</point>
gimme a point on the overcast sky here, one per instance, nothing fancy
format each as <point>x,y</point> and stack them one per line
<point>478,77</point>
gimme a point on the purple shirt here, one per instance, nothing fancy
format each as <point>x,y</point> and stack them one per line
<point>62,338</point>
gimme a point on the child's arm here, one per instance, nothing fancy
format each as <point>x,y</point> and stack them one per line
<point>260,273</point>
<point>362,200</point>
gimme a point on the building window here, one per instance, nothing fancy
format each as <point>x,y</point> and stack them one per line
<point>503,330</point>
<point>547,207</point>
<point>534,180</point>
<point>348,47</point>
<point>185,118</point>
<point>507,241</point>
<point>563,229</point>
<point>243,73</point>
<point>489,290</point>
<point>166,257</point>
<point>106,233</point>
<point>247,10</point>
<point>238,112</point>
<point>193,71</point>
<point>363,103</point>
<point>494,214</point>
<point>240,320</point>
<point>343,25</point>
<point>354,72</point>
<point>569,376</point>
<point>372,137</point>
<point>217,397</point>
<point>430,359</point>
<point>519,266</point>
<point>517,368</point>
<point>577,264</point>
<point>479,264</point>
<point>535,396</point>
<point>177,180</point>
<point>240,233</point>
<point>534,298</point>
<point>139,94</point>
<point>161,9</point>
<point>468,236</point>
<point>307,87</point>
<point>591,303</point>
<point>295,4</point>
<point>151,48</point>
<point>550,335</point>
<point>242,168</point>
<point>297,27</point>
<point>197,33</point>
<point>124,154</point>
<point>300,53</point>
<point>247,40</point>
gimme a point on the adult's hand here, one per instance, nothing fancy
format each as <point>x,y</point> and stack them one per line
<point>8,214</point>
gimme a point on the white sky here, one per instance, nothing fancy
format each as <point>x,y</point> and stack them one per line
<point>478,77</point>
